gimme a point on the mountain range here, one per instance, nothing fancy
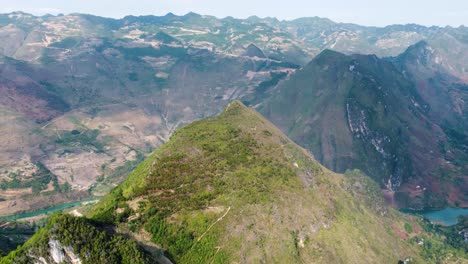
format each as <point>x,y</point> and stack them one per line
<point>90,97</point>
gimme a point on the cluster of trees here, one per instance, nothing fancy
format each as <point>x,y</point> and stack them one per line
<point>85,138</point>
<point>446,241</point>
<point>88,239</point>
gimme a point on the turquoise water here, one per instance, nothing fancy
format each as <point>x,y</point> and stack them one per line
<point>446,216</point>
<point>52,209</point>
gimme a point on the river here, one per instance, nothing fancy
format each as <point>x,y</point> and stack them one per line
<point>47,210</point>
<point>447,216</point>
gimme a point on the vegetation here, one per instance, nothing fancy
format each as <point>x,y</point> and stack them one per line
<point>17,233</point>
<point>275,78</point>
<point>234,188</point>
<point>87,240</point>
<point>37,182</point>
<point>357,121</point>
<point>195,163</point>
<point>137,53</point>
<point>68,43</point>
<point>221,180</point>
<point>445,242</point>
<point>85,138</point>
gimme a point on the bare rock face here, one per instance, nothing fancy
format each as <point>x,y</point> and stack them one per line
<point>57,254</point>
<point>56,251</point>
<point>74,240</point>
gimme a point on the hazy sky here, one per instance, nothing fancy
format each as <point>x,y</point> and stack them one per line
<point>364,12</point>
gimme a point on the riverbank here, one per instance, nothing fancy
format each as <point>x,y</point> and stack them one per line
<point>446,217</point>
<point>49,210</point>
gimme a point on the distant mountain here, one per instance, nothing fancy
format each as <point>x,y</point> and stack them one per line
<point>296,41</point>
<point>441,82</point>
<point>364,112</point>
<point>254,51</point>
<point>234,188</point>
<point>91,116</point>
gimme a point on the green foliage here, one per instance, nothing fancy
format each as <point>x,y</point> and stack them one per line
<point>408,228</point>
<point>85,138</point>
<point>68,43</point>
<point>176,239</point>
<point>210,160</point>
<point>365,188</point>
<point>91,243</point>
<point>456,137</point>
<point>317,110</point>
<point>452,236</point>
<point>165,38</point>
<point>228,174</point>
<point>14,235</point>
<point>437,251</point>
<point>47,60</point>
<point>37,182</point>
<point>133,76</point>
<point>137,53</point>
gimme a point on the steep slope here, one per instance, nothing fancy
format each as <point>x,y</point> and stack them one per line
<point>362,112</point>
<point>432,69</point>
<point>234,188</point>
<point>443,89</point>
<point>21,93</point>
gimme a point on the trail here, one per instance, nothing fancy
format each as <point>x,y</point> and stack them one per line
<point>214,256</point>
<point>219,219</point>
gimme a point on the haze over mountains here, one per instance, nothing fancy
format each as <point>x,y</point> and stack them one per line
<point>90,97</point>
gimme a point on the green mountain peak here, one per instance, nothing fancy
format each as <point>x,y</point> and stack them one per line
<point>234,188</point>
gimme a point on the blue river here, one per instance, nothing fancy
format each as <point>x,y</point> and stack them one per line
<point>447,216</point>
<point>48,210</point>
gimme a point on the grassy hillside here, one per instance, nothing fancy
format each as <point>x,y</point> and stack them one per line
<point>233,188</point>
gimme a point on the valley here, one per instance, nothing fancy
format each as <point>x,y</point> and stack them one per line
<point>234,187</point>
<point>95,107</point>
<point>90,97</point>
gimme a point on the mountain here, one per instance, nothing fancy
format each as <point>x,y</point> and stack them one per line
<point>91,97</point>
<point>363,112</point>
<point>87,119</point>
<point>295,41</point>
<point>436,79</point>
<point>234,188</point>
<point>254,51</point>
<point>443,86</point>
